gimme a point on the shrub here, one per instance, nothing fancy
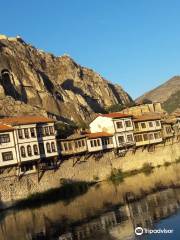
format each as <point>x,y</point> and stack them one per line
<point>178,160</point>
<point>116,175</point>
<point>147,168</point>
<point>95,178</point>
<point>166,164</point>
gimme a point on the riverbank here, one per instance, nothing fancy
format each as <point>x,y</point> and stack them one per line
<point>70,190</point>
<point>117,175</point>
<point>92,169</point>
<point>98,205</point>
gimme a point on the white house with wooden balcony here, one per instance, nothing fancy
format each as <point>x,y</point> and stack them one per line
<point>8,154</point>
<point>147,129</point>
<point>118,124</point>
<point>33,138</point>
<point>99,141</point>
<point>72,145</point>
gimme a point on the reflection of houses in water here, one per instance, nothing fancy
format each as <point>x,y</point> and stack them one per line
<point>165,204</point>
<point>66,236</point>
<point>105,221</point>
<point>122,221</point>
<point>118,223</point>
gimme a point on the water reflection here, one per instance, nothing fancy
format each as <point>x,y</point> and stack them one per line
<point>105,212</point>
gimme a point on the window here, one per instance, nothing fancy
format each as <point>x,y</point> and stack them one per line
<point>138,138</point>
<point>32,130</point>
<point>46,130</point>
<point>129,138</point>
<point>69,145</point>
<point>54,148</point>
<point>48,147</point>
<point>65,146</point>
<point>95,143</point>
<point>83,143</point>
<point>26,133</point>
<point>91,142</point>
<point>121,139</point>
<point>151,136</point>
<point>119,125</point>
<point>79,143</point>
<point>20,133</point>
<point>7,156</point>
<point>29,151</point>
<point>105,141</point>
<point>168,130</point>
<point>51,130</point>
<point>4,138</point>
<point>35,148</point>
<point>23,152</point>
<point>76,144</point>
<point>136,125</point>
<point>157,123</point>
<point>150,124</point>
<point>128,123</point>
<point>143,125</point>
<point>157,135</point>
<point>145,136</point>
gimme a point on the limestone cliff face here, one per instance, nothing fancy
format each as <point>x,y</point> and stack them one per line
<point>57,85</point>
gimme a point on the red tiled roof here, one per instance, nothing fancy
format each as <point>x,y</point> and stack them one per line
<point>5,128</point>
<point>115,115</point>
<point>147,117</point>
<point>99,134</point>
<point>23,120</point>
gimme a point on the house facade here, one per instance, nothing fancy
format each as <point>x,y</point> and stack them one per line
<point>147,130</point>
<point>72,145</point>
<point>167,130</point>
<point>8,155</point>
<point>31,139</point>
<point>118,124</point>
<point>176,126</point>
<point>99,141</point>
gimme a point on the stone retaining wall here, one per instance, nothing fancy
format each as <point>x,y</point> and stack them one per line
<point>12,189</point>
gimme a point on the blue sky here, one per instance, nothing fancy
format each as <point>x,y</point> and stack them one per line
<point>135,43</point>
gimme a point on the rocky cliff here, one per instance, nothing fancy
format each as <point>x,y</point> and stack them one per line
<point>167,93</point>
<point>33,81</point>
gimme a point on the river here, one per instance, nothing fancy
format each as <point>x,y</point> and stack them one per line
<point>106,211</point>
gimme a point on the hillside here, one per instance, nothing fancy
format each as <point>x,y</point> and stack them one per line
<point>45,83</point>
<point>167,93</point>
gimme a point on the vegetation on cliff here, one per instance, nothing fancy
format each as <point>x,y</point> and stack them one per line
<point>172,103</point>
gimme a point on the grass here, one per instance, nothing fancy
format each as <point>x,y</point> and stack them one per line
<point>117,175</point>
<point>66,192</point>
